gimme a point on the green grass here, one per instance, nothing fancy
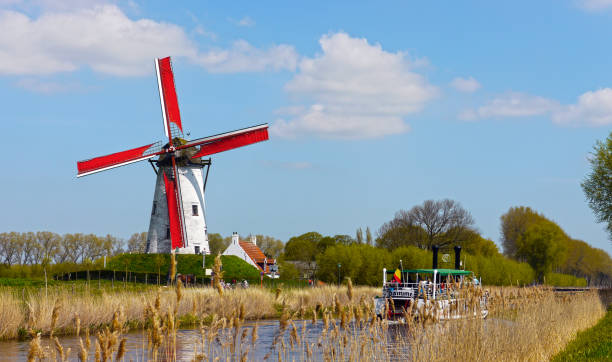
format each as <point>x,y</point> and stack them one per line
<point>594,344</point>
<point>26,282</point>
<point>233,267</point>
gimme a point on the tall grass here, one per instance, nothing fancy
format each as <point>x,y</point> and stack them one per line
<point>33,309</point>
<point>524,324</point>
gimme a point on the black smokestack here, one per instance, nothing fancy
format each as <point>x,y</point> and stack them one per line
<point>434,248</point>
<point>457,257</point>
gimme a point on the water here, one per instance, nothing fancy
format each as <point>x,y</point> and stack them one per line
<point>187,342</point>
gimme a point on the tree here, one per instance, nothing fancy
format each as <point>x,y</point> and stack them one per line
<point>368,236</point>
<point>49,245</point>
<point>542,246</point>
<point>303,247</point>
<point>443,223</point>
<point>597,186</point>
<point>217,243</point>
<point>29,248</point>
<point>137,243</point>
<point>10,248</point>
<point>514,223</point>
<point>475,244</point>
<point>270,246</point>
<point>359,236</point>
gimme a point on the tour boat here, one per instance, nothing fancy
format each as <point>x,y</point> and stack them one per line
<point>438,294</point>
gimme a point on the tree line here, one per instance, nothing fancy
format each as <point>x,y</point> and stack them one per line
<point>45,247</point>
<point>534,248</point>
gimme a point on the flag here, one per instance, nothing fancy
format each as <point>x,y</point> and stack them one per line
<point>397,276</point>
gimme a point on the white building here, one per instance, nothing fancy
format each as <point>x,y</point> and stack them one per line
<point>250,252</point>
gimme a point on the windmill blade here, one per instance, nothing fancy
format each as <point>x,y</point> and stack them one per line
<point>176,228</point>
<point>227,141</point>
<point>167,96</point>
<point>102,163</point>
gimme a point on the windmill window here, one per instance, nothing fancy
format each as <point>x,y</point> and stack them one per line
<point>194,210</point>
<point>154,207</point>
<point>167,233</point>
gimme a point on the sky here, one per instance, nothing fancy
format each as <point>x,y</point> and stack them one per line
<point>372,109</point>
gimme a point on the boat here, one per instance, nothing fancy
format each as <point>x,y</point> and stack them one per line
<point>437,294</point>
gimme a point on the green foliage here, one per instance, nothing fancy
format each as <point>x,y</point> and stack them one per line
<point>303,247</point>
<point>233,267</point>
<point>287,270</point>
<point>565,280</point>
<point>529,236</point>
<point>217,243</point>
<point>514,223</point>
<point>499,270</point>
<point>411,257</point>
<point>26,282</point>
<point>594,344</point>
<point>542,245</point>
<point>477,245</point>
<point>597,186</point>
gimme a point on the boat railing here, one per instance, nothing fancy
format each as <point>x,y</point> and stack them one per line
<point>416,290</point>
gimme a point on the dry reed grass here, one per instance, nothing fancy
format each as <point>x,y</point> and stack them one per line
<point>525,324</point>
<point>65,312</point>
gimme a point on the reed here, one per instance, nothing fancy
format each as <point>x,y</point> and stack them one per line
<point>60,311</point>
<point>524,324</point>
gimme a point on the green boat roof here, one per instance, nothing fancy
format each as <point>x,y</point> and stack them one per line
<point>431,271</point>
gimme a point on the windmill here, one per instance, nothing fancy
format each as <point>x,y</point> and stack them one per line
<point>178,215</point>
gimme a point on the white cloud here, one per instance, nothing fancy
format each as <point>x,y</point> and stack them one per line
<point>355,90</point>
<point>468,85</point>
<point>246,21</point>
<point>46,87</point>
<point>102,38</point>
<point>243,57</point>
<point>512,104</point>
<point>594,108</point>
<point>595,5</point>
<point>106,40</point>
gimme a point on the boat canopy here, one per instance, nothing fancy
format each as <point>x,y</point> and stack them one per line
<point>431,271</point>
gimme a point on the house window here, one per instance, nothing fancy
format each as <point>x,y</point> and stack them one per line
<point>194,210</point>
<point>197,250</point>
<point>154,208</point>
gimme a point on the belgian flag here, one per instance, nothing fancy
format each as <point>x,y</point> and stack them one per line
<point>397,276</point>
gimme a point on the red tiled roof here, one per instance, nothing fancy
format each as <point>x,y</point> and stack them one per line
<point>255,253</point>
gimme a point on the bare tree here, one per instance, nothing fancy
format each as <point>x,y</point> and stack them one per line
<point>137,243</point>
<point>29,246</point>
<point>49,245</point>
<point>359,236</point>
<point>10,248</point>
<point>368,236</point>
<point>443,223</point>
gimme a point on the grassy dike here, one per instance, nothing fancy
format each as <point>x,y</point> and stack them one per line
<point>594,344</point>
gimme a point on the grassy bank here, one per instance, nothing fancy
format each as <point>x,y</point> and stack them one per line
<point>594,344</point>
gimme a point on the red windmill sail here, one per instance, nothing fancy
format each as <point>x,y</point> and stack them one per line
<point>173,128</point>
<point>167,96</point>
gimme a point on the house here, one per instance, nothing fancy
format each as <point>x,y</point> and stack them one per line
<point>250,252</point>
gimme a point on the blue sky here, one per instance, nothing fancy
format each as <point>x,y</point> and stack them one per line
<point>372,109</point>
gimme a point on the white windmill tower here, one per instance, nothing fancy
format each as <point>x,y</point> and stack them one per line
<point>178,222</point>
